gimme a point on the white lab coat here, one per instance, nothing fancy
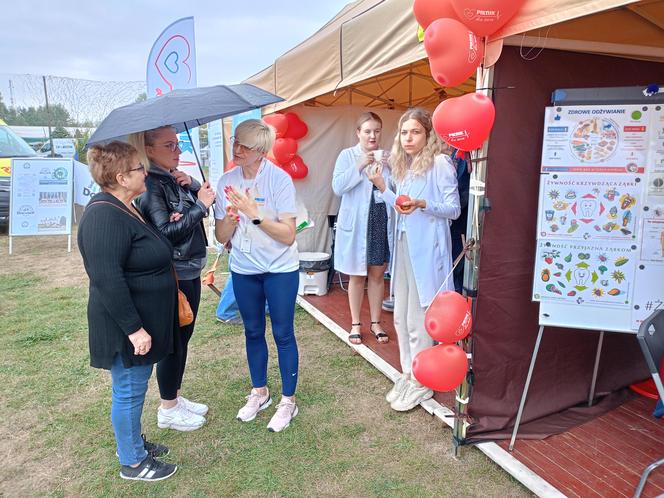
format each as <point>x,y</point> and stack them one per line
<point>354,188</point>
<point>428,230</point>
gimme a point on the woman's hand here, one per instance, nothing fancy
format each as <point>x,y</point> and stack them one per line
<point>242,201</point>
<point>408,207</point>
<point>141,341</point>
<point>375,175</point>
<point>366,159</point>
<point>206,195</point>
<point>232,215</point>
<point>182,178</point>
<point>175,216</point>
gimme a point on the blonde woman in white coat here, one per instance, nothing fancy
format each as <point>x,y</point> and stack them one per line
<point>361,242</point>
<point>422,256</point>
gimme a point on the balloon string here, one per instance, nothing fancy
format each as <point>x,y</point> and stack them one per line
<point>468,246</point>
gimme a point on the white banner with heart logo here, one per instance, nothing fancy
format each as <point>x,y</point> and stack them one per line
<point>172,66</point>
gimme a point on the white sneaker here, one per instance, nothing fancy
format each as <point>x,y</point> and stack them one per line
<point>179,418</point>
<point>256,402</point>
<point>397,389</point>
<point>411,396</point>
<point>192,406</point>
<point>286,411</point>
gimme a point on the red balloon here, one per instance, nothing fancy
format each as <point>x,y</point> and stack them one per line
<point>279,122</point>
<point>296,127</point>
<point>464,122</point>
<point>272,159</point>
<point>454,51</point>
<point>284,149</point>
<point>441,368</point>
<point>296,168</point>
<point>229,165</point>
<point>448,319</point>
<point>427,11</point>
<point>485,17</point>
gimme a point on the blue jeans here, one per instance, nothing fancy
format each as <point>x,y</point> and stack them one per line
<point>280,291</point>
<point>129,388</point>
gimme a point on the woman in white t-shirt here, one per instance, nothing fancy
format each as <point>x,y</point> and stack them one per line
<point>257,215</point>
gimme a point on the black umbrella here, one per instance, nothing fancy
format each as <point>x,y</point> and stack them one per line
<point>183,109</point>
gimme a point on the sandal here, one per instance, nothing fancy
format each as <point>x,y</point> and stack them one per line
<point>381,337</point>
<point>355,338</point>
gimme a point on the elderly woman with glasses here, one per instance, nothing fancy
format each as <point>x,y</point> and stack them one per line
<point>132,307</point>
<point>176,204</point>
<point>257,214</point>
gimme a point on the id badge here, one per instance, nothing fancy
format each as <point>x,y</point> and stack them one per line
<point>245,245</point>
<point>378,197</point>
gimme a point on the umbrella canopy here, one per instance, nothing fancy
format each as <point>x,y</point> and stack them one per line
<point>183,109</point>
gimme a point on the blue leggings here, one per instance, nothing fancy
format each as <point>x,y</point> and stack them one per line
<point>280,290</point>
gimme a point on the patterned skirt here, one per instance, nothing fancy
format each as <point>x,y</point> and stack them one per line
<point>378,249</point>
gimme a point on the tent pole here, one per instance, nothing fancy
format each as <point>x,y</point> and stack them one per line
<point>477,205</point>
<point>410,86</point>
<point>193,147</point>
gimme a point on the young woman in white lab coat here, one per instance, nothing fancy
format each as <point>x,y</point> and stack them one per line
<point>422,244</point>
<point>361,241</point>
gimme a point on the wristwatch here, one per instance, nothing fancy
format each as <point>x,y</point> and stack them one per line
<point>257,221</point>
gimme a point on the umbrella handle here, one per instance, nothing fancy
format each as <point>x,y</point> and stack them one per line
<point>193,147</point>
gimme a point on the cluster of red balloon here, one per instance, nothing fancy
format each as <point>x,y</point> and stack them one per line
<point>448,320</point>
<point>289,129</point>
<point>452,28</point>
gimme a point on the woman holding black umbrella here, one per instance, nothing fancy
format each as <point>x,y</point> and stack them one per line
<point>176,205</point>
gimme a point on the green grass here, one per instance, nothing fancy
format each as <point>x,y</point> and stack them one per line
<point>57,440</point>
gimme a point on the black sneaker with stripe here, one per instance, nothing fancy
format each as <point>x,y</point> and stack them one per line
<point>150,469</point>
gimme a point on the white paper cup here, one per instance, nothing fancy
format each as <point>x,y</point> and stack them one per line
<point>378,155</point>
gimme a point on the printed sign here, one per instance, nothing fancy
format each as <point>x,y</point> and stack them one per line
<point>583,273</point>
<point>41,197</point>
<point>587,207</point>
<point>596,139</point>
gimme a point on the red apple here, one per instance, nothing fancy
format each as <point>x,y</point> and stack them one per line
<point>401,200</point>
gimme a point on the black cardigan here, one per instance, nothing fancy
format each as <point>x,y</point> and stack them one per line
<point>132,283</point>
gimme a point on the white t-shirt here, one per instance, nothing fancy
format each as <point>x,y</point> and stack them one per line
<point>274,192</point>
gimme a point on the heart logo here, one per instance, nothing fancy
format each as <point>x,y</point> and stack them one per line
<point>465,122</point>
<point>485,17</point>
<point>171,62</point>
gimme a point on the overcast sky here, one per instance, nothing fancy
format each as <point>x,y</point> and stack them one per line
<point>111,40</point>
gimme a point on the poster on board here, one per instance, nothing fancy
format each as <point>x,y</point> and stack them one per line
<point>596,139</point>
<point>41,197</point>
<point>584,206</point>
<point>652,241</point>
<point>585,273</point>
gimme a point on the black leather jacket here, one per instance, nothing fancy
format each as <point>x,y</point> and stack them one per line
<point>163,197</point>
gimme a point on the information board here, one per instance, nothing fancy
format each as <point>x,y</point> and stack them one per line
<point>41,197</point>
<point>600,227</point>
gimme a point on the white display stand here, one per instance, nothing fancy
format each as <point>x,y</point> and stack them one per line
<point>41,198</point>
<point>600,228</point>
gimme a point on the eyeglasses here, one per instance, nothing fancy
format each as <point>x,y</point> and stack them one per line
<point>242,147</point>
<point>140,167</point>
<point>171,145</point>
